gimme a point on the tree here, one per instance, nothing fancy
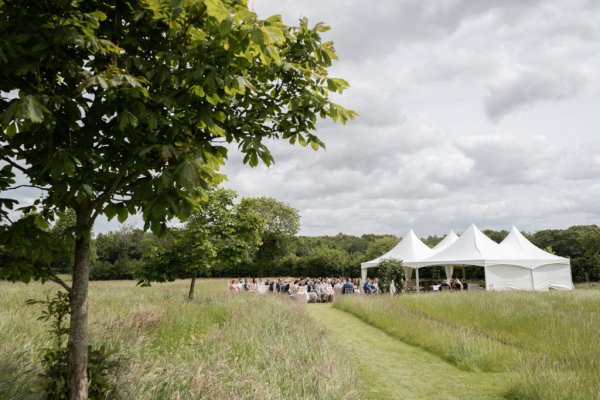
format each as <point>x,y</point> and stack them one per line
<point>324,261</point>
<point>589,264</point>
<point>281,223</point>
<point>496,236</point>
<point>114,108</point>
<point>117,253</point>
<point>221,232</point>
<point>379,247</point>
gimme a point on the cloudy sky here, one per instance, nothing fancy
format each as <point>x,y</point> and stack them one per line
<point>470,111</point>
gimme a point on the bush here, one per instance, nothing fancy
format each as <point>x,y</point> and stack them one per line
<point>53,380</point>
<point>391,270</point>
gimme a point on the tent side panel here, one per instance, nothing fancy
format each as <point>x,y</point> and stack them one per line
<point>553,276</point>
<point>508,277</point>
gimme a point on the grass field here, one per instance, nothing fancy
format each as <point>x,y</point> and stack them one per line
<point>547,342</point>
<point>514,345</point>
<point>218,346</point>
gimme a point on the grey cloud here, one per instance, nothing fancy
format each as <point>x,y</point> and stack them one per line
<point>526,88</point>
<point>510,159</point>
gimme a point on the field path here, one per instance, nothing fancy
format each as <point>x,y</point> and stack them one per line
<point>392,369</point>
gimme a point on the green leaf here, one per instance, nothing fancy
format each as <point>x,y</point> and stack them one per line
<point>216,9</point>
<point>122,214</point>
<point>31,109</point>
<point>127,119</point>
<point>273,33</point>
<point>225,27</point>
<point>11,130</point>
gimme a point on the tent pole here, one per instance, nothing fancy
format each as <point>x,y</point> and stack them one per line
<point>464,273</point>
<point>417,271</point>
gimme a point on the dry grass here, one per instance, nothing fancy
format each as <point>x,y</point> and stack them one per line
<point>218,346</point>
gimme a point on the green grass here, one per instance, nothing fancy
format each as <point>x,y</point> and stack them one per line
<point>393,369</point>
<point>548,342</point>
<point>218,346</point>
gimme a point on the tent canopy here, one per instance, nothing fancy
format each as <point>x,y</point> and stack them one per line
<point>516,263</point>
<point>410,249</point>
<point>447,241</point>
<point>525,253</point>
<point>471,248</point>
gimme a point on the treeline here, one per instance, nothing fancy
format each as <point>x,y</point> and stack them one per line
<point>258,237</point>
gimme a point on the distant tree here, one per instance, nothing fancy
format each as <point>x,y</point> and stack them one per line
<point>221,232</point>
<point>379,247</point>
<point>589,264</point>
<point>432,241</point>
<point>496,236</point>
<point>117,253</point>
<point>281,223</point>
<point>325,261</point>
<point>114,108</point>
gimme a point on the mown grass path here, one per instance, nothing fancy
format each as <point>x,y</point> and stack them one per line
<point>392,369</point>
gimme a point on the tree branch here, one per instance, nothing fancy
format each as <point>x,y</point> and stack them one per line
<point>118,183</point>
<point>14,164</point>
<point>28,186</point>
<point>54,278</point>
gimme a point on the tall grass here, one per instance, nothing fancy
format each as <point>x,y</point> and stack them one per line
<point>218,346</point>
<point>549,341</point>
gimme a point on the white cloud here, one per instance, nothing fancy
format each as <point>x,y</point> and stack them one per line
<point>470,111</point>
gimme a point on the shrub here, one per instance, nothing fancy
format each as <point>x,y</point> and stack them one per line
<point>391,270</point>
<point>53,378</point>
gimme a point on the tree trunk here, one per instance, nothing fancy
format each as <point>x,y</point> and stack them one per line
<point>77,358</point>
<point>192,286</point>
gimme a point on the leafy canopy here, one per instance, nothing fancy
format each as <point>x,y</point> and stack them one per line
<point>221,232</point>
<point>122,107</point>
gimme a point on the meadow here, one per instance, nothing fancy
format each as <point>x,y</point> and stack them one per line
<point>548,343</point>
<point>218,346</point>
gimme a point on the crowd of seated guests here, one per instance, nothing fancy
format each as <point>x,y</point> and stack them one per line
<point>313,290</point>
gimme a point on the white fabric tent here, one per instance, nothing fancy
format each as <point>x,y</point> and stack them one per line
<point>410,249</point>
<point>514,264</point>
<point>447,241</point>
<point>537,269</point>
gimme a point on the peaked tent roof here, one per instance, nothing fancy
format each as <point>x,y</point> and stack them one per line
<point>409,250</point>
<point>517,246</point>
<point>471,248</point>
<point>447,241</point>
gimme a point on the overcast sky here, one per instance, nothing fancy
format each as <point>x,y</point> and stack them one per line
<point>470,111</point>
<point>476,111</point>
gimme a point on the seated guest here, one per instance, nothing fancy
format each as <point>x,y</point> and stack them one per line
<point>465,285</point>
<point>369,288</point>
<point>456,285</point>
<point>233,286</point>
<point>321,290</point>
<point>330,292</point>
<point>348,287</point>
<point>253,286</point>
<point>376,285</point>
